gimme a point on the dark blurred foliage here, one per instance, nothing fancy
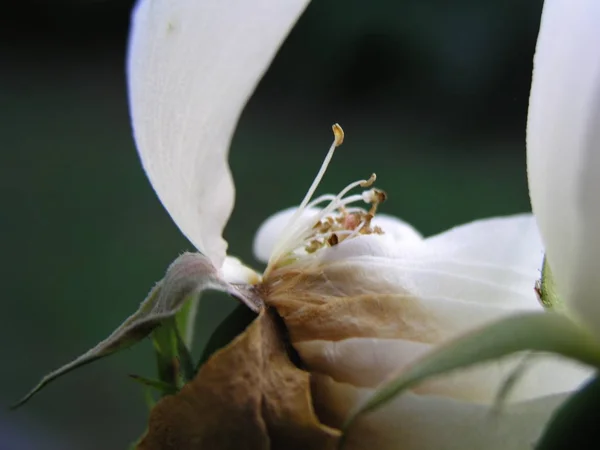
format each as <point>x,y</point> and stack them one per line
<point>432,96</point>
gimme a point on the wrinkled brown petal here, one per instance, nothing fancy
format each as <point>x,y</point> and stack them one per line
<point>248,395</point>
<point>380,316</point>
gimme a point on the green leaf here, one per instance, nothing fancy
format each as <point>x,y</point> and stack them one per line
<point>185,279</point>
<point>160,386</point>
<point>186,364</point>
<point>186,320</point>
<point>164,342</point>
<point>173,359</point>
<point>540,331</point>
<point>135,328</point>
<point>575,424</point>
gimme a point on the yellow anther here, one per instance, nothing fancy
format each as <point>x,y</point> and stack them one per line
<point>338,133</point>
<point>369,182</point>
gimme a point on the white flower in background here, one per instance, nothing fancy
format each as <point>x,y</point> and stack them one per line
<point>362,295</point>
<point>563,151</point>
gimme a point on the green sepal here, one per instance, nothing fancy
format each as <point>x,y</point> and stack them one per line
<point>160,386</point>
<point>185,279</point>
<point>546,289</point>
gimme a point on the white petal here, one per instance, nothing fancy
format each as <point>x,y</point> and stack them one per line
<point>270,229</point>
<point>192,65</point>
<point>512,241</point>
<point>420,422</point>
<point>235,272</point>
<point>370,361</point>
<point>370,306</point>
<point>396,228</point>
<point>492,261</point>
<point>563,149</point>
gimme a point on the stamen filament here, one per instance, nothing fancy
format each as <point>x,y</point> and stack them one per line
<point>358,229</point>
<point>339,202</point>
<point>320,199</point>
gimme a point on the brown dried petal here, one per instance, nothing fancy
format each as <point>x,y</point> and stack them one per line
<point>248,395</point>
<point>381,316</point>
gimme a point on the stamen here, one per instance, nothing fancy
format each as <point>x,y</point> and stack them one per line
<point>338,202</point>
<point>359,183</point>
<point>300,232</point>
<point>333,240</point>
<point>333,205</point>
<point>320,199</point>
<point>338,134</point>
<point>369,182</point>
<point>333,223</point>
<point>339,138</point>
<point>339,236</point>
<point>359,228</point>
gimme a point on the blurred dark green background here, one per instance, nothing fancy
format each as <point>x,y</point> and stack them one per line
<point>432,95</point>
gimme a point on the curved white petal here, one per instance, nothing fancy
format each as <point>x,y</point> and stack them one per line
<point>563,150</point>
<point>491,261</point>
<point>422,422</point>
<point>235,272</point>
<point>367,307</point>
<point>369,361</point>
<point>270,230</point>
<point>396,228</point>
<point>192,65</point>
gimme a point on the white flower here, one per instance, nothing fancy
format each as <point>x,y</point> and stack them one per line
<point>362,294</point>
<point>563,151</point>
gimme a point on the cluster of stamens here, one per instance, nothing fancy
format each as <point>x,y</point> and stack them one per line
<point>345,224</point>
<point>334,223</point>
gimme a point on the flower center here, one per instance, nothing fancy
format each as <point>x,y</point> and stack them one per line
<point>308,231</point>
